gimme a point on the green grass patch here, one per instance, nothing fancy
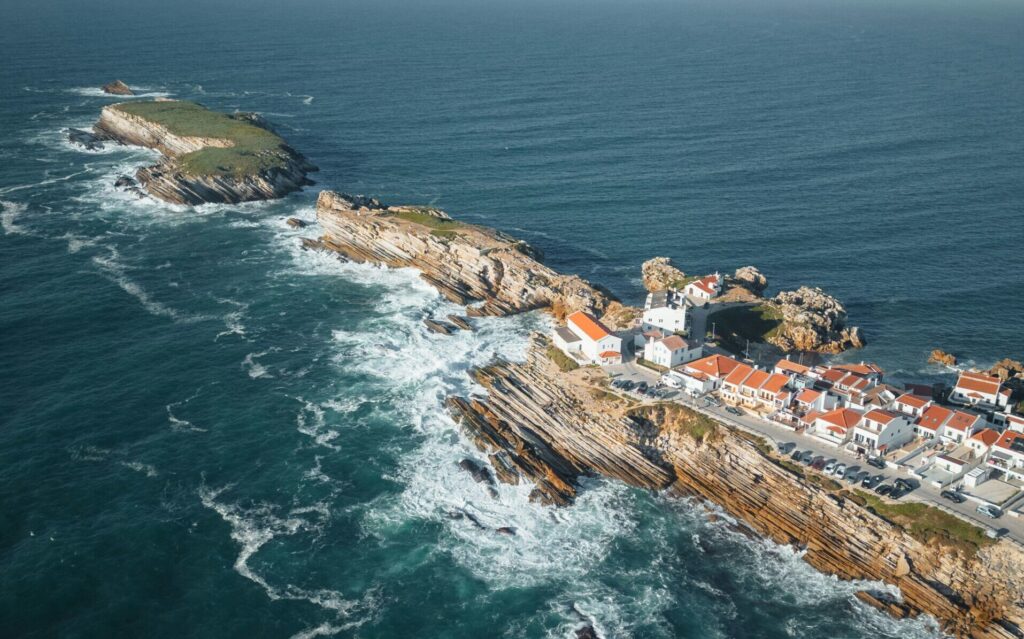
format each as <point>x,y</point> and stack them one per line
<point>444,227</point>
<point>734,326</point>
<point>253,149</point>
<point>563,361</point>
<point>928,524</point>
<point>678,418</point>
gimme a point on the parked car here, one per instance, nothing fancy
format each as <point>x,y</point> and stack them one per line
<point>851,473</point>
<point>884,489</point>
<point>990,511</point>
<point>818,463</point>
<point>807,457</point>
<point>953,496</point>
<point>839,470</point>
<point>897,492</point>
<point>871,482</point>
<point>877,462</point>
<point>797,454</point>
<point>829,465</point>
<point>786,447</point>
<point>734,410</point>
<point>671,381</point>
<point>903,485</point>
<point>627,385</point>
<point>860,477</point>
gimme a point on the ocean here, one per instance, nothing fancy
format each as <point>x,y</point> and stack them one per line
<point>208,432</point>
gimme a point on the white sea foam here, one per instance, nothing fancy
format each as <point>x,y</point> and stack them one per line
<point>178,424</point>
<point>116,271</point>
<point>254,368</point>
<point>140,93</point>
<point>311,421</point>
<point>9,213</point>
<point>147,469</point>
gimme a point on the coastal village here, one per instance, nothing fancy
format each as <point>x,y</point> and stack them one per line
<point>966,441</point>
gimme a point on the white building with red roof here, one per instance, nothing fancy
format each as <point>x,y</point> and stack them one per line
<point>929,425</point>
<point>960,426</point>
<point>881,431</point>
<point>1007,455</point>
<point>594,343</point>
<point>982,441</point>
<point>812,400</point>
<point>1015,422</point>
<point>913,405</point>
<point>714,368</point>
<point>981,390</point>
<point>836,426</point>
<point>705,288</point>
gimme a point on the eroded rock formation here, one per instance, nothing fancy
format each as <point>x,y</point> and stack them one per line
<point>813,320</point>
<point>466,263</point>
<point>117,88</point>
<point>167,180</point>
<point>548,428</point>
<point>659,274</point>
<point>939,356</point>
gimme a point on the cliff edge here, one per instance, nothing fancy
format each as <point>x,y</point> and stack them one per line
<point>208,156</point>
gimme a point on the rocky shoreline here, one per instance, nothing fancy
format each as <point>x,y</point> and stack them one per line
<point>170,181</point>
<point>540,425</point>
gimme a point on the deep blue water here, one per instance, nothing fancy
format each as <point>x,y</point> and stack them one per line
<point>205,431</point>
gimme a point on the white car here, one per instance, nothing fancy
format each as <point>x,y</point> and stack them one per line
<point>671,381</point>
<point>990,511</point>
<point>839,470</point>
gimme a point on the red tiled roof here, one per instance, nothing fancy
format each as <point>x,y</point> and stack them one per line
<point>833,375</point>
<point>961,421</point>
<point>791,366</point>
<point>933,417</point>
<point>979,382</point>
<point>1006,441</point>
<point>862,368</point>
<point>912,400</point>
<point>738,374</point>
<point>610,354</point>
<point>808,395</point>
<point>843,417</point>
<point>881,415</point>
<point>986,436</point>
<point>714,365</point>
<point>775,383</point>
<point>756,379</point>
<point>592,328</point>
<point>674,343</point>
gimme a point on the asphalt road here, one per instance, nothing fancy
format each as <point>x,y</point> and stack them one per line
<point>1012,527</point>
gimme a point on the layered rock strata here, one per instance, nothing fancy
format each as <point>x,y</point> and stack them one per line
<point>542,426</point>
<point>470,265</point>
<point>169,181</point>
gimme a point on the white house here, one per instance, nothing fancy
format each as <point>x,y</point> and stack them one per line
<point>671,351</point>
<point>665,310</point>
<point>1015,422</point>
<point>810,400</point>
<point>983,391</point>
<point>982,441</point>
<point>1008,455</point>
<point>931,422</point>
<point>597,344</point>
<point>835,426</point>
<point>910,404</point>
<point>960,426</point>
<point>882,430</point>
<point>705,288</point>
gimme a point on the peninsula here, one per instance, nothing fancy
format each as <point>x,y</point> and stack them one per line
<point>563,414</point>
<point>208,156</point>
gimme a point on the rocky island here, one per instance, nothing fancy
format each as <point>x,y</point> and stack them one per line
<point>549,425</point>
<point>208,156</point>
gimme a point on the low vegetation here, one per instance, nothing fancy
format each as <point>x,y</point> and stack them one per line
<point>253,149</point>
<point>679,419</point>
<point>423,217</point>
<point>563,361</point>
<point>734,326</point>
<point>651,365</point>
<point>928,524</point>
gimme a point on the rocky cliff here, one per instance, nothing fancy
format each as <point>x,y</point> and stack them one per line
<point>813,320</point>
<point>279,171</point>
<point>549,428</point>
<point>497,274</point>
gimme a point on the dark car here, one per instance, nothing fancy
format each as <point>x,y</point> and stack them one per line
<point>796,454</point>
<point>953,496</point>
<point>871,482</point>
<point>904,485</point>
<point>877,462</point>
<point>851,473</point>
<point>734,410</point>
<point>627,385</point>
<point>641,387</point>
<point>807,457</point>
<point>786,447</point>
<point>884,489</point>
<point>818,462</point>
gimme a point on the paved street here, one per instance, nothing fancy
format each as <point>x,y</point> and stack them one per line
<point>1012,527</point>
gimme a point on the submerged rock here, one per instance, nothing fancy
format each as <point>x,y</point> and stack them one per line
<point>117,88</point>
<point>506,530</point>
<point>479,472</point>
<point>461,322</point>
<point>296,223</point>
<point>86,139</point>
<point>587,632</point>
<point>442,328</point>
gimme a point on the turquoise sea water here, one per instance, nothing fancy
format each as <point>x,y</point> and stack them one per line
<point>205,431</point>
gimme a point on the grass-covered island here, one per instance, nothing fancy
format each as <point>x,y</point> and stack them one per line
<point>209,156</point>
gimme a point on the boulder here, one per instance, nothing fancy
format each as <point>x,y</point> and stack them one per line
<point>751,278</point>
<point>659,274</point>
<point>442,328</point>
<point>1006,369</point>
<point>479,472</point>
<point>939,356</point>
<point>460,322</point>
<point>587,632</point>
<point>117,88</point>
<point>813,320</point>
<point>296,223</point>
<point>506,530</point>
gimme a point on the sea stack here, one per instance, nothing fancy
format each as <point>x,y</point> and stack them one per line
<point>117,88</point>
